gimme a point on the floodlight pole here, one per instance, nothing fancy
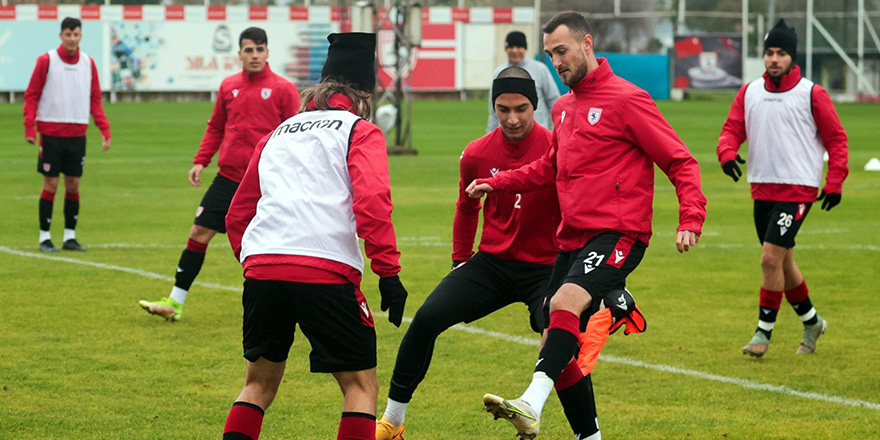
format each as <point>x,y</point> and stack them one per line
<point>810,39</point>
<point>860,38</point>
<point>745,35</point>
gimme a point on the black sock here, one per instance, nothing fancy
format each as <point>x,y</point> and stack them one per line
<point>804,307</point>
<point>188,268</point>
<point>557,352</point>
<point>579,405</point>
<point>45,214</point>
<point>767,315</point>
<point>71,212</point>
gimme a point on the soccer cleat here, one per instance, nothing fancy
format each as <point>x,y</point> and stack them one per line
<point>386,431</point>
<point>757,346</point>
<point>811,335</point>
<point>72,245</point>
<point>47,246</point>
<point>517,411</point>
<point>167,308</point>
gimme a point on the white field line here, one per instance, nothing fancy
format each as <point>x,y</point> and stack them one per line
<point>533,342</point>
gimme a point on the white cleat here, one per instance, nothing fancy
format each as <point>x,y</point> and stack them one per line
<point>517,411</point>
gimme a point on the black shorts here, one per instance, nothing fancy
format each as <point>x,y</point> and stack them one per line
<point>334,318</point>
<point>485,284</point>
<point>215,204</point>
<point>600,267</point>
<point>61,155</point>
<point>779,222</point>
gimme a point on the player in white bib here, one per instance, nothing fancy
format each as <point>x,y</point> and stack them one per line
<point>789,123</point>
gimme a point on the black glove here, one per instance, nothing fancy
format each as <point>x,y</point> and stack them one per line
<point>393,298</point>
<point>831,200</point>
<point>732,169</point>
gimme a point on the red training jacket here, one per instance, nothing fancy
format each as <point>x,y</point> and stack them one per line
<point>59,129</point>
<point>733,134</point>
<point>518,227</point>
<point>607,136</point>
<point>248,106</point>
<point>370,180</point>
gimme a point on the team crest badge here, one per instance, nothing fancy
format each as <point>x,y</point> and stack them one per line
<point>594,116</point>
<point>200,210</point>
<point>47,167</point>
<point>266,93</point>
<point>235,93</point>
<point>801,210</point>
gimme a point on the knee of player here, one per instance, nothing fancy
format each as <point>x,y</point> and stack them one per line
<point>771,262</point>
<point>570,297</point>
<point>429,320</point>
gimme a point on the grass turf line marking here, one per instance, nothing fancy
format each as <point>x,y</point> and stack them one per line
<point>142,273</point>
<point>744,383</point>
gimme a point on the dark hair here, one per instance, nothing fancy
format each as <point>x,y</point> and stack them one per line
<point>575,22</point>
<point>320,93</point>
<point>70,23</point>
<point>514,72</point>
<point>254,34</point>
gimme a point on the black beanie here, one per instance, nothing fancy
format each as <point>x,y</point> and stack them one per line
<point>351,59</point>
<point>516,39</point>
<point>515,80</point>
<point>783,37</point>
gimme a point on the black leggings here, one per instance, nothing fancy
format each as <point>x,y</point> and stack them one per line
<point>481,286</point>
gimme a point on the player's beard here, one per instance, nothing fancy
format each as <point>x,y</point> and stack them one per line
<point>781,74</point>
<point>578,73</point>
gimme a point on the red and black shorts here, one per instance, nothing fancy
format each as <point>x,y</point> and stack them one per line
<point>779,222</point>
<point>61,155</point>
<point>215,203</point>
<point>600,267</point>
<point>334,318</point>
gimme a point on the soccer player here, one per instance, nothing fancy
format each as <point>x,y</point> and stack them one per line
<point>790,123</point>
<point>515,46</point>
<point>313,186</point>
<point>516,253</point>
<point>249,105</point>
<point>62,93</point>
<point>607,136</point>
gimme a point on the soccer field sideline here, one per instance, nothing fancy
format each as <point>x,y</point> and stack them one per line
<point>744,383</point>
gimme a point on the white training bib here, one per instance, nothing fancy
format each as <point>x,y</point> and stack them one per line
<point>66,95</point>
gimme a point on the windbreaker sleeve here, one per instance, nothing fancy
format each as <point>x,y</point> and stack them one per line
<point>214,133</point>
<point>243,207</point>
<point>649,130</point>
<point>733,132</point>
<point>371,185</point>
<point>33,93</point>
<point>530,177</point>
<point>833,138</point>
<point>96,108</point>
<point>467,212</point>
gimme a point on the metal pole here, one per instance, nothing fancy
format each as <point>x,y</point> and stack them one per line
<point>771,14</point>
<point>745,35</point>
<point>681,8</point>
<point>759,38</point>
<point>398,82</point>
<point>810,39</point>
<point>860,38</point>
<point>536,29</point>
<point>617,8</point>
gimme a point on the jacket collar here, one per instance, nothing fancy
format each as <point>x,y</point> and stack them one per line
<point>517,148</point>
<point>786,83</point>
<point>66,56</point>
<point>256,76</point>
<point>337,102</point>
<point>595,78</point>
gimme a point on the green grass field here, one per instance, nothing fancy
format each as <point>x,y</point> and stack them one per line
<point>80,360</point>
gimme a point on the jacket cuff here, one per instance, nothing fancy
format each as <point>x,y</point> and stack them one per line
<point>833,188</point>
<point>30,131</point>
<point>691,226</point>
<point>726,157</point>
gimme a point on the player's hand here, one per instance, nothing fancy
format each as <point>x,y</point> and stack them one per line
<point>105,143</point>
<point>732,169</point>
<point>194,174</point>
<point>31,140</point>
<point>393,298</point>
<point>476,191</point>
<point>684,240</point>
<point>829,200</point>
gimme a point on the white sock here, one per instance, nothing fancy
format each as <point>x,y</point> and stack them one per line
<point>45,235</point>
<point>395,412</point>
<point>69,234</point>
<point>178,294</point>
<point>538,391</point>
<point>596,436</point>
